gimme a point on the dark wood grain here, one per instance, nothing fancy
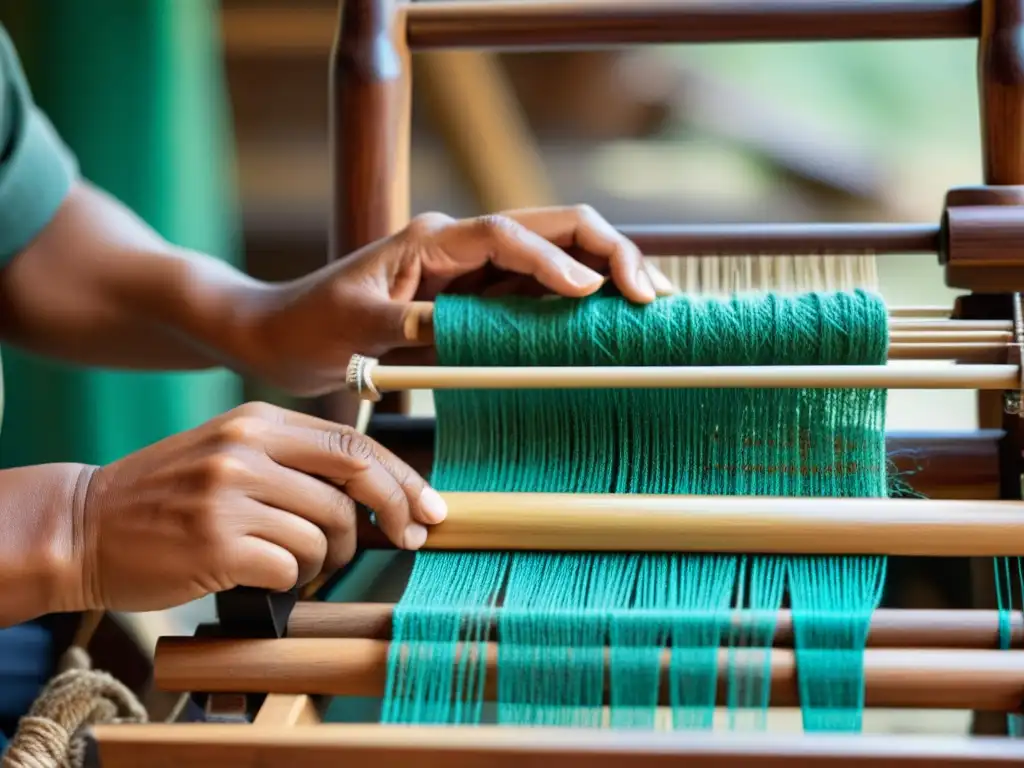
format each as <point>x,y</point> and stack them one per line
<point>370,106</point>
<point>509,24</point>
<point>1001,87</point>
<point>982,229</point>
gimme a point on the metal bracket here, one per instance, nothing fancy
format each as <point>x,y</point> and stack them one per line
<point>255,613</point>
<point>1012,403</point>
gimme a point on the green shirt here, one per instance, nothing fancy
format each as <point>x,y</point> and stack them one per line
<point>36,168</point>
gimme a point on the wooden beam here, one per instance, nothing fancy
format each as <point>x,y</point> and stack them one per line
<point>330,746</point>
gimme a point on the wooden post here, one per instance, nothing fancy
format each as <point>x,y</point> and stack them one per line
<point>1001,102</point>
<point>1001,90</point>
<point>370,109</point>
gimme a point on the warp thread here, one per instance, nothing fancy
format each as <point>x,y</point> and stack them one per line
<point>729,275</point>
<point>52,734</point>
<point>557,611</point>
<point>1009,587</point>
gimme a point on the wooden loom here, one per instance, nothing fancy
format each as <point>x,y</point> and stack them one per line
<point>263,667</point>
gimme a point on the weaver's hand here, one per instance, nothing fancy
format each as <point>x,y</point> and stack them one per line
<point>309,329</point>
<point>259,497</point>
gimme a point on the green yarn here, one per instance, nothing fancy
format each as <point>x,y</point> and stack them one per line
<point>1009,584</point>
<point>572,625</point>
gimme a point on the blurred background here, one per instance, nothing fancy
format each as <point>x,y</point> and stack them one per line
<point>210,120</point>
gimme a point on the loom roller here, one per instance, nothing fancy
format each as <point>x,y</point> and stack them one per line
<point>914,658</point>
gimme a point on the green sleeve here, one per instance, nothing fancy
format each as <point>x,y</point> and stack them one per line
<point>36,168</point>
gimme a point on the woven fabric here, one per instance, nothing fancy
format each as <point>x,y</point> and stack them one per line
<point>555,614</point>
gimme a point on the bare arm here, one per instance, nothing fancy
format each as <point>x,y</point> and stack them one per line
<point>39,564</point>
<point>100,287</point>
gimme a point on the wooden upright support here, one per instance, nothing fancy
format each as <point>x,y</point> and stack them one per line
<point>370,110</point>
<point>1001,102</point>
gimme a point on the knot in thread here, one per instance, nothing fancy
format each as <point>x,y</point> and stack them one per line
<point>51,734</point>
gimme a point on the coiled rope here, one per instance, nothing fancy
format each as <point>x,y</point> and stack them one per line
<point>52,734</point>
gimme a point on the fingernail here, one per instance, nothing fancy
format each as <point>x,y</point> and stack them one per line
<point>662,285</point>
<point>643,281</point>
<point>583,276</point>
<point>433,506</point>
<point>414,537</point>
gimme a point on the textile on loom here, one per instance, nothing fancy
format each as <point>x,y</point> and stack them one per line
<point>728,275</point>
<point>557,613</point>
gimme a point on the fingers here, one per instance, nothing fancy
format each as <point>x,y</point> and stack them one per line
<point>582,227</point>
<point>318,505</point>
<point>264,565</point>
<point>365,470</point>
<point>662,285</point>
<point>506,243</point>
<point>304,541</point>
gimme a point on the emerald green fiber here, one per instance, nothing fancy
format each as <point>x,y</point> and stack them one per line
<point>571,626</point>
<point>1009,585</point>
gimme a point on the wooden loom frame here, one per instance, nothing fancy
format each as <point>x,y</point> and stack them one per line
<point>370,136</point>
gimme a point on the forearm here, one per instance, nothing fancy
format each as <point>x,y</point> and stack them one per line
<point>40,571</point>
<point>99,287</point>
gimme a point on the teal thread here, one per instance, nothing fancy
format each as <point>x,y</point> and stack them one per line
<point>1009,571</point>
<point>571,625</point>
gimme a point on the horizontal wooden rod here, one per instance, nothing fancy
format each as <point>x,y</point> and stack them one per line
<point>902,335</point>
<point>918,678</point>
<point>985,352</point>
<point>510,24</point>
<point>689,240</point>
<point>373,378</point>
<point>905,628</point>
<point>401,746</point>
<point>934,313</point>
<point>736,524</point>
<point>909,324</point>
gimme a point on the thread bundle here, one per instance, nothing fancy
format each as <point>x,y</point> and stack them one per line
<point>572,626</point>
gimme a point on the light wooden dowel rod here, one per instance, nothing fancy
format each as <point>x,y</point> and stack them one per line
<point>932,312</point>
<point>940,336</point>
<point>368,378</point>
<point>919,678</point>
<point>740,524</point>
<point>901,324</point>
<point>402,746</point>
<point>889,628</point>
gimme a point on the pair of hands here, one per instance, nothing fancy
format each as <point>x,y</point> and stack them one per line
<point>265,497</point>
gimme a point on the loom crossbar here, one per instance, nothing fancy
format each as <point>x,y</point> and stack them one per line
<point>740,524</point>
<point>511,25</point>
<point>890,628</point>
<point>381,746</point>
<point>370,378</point>
<point>920,678</point>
